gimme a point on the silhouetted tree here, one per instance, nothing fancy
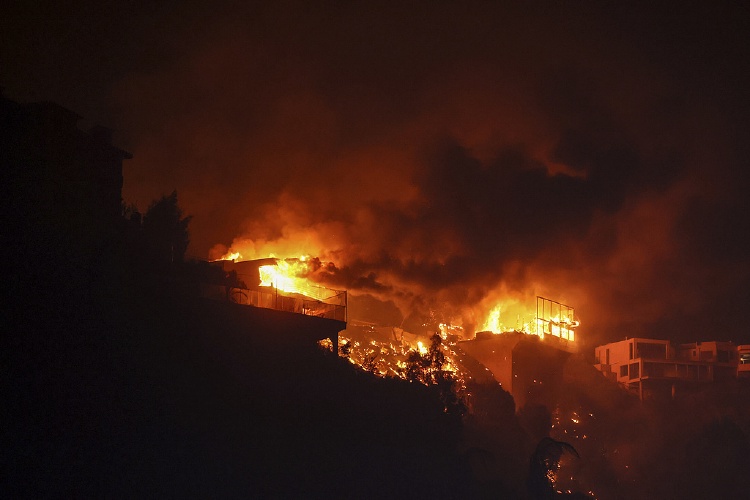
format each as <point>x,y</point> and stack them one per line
<point>417,367</point>
<point>131,214</point>
<point>428,369</point>
<point>435,353</point>
<point>346,349</point>
<point>543,464</point>
<point>165,230</point>
<point>370,362</point>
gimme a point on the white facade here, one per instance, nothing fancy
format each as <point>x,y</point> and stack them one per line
<point>633,362</point>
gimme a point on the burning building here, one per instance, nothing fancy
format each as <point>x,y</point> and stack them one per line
<point>529,363</point>
<point>280,285</point>
<point>653,367</point>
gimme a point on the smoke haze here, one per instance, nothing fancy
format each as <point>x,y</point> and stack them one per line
<point>443,155</point>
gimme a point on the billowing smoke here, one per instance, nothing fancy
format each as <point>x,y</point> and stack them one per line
<point>447,155</point>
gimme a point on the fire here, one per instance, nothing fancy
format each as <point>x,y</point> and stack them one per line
<point>381,354</point>
<point>234,256</point>
<point>492,324</point>
<point>559,327</point>
<point>524,320</point>
<point>284,284</point>
<point>543,322</point>
<point>290,276</point>
<point>287,275</point>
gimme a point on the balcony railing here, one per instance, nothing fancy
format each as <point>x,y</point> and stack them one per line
<point>333,306</point>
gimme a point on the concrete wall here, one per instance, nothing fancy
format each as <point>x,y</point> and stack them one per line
<point>528,368</point>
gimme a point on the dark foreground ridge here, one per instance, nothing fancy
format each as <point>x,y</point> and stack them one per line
<point>182,396</point>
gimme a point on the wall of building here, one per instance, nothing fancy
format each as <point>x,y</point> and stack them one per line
<point>656,363</point>
<point>529,368</point>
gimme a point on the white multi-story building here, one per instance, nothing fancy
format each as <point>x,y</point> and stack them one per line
<point>655,366</point>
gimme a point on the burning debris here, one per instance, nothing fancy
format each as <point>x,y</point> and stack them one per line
<point>526,363</point>
<point>393,352</point>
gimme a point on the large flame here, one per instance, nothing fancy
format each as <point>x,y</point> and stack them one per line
<point>285,275</point>
<point>291,276</point>
<point>233,256</point>
<point>506,317</point>
<point>510,316</point>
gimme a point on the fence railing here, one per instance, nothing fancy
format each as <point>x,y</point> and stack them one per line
<point>331,307</point>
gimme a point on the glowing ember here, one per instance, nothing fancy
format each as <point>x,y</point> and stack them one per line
<point>387,356</point>
<point>448,329</point>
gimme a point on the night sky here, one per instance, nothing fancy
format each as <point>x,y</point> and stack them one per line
<point>443,155</point>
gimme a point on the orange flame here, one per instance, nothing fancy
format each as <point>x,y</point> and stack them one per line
<point>525,321</point>
<point>290,276</point>
<point>520,318</point>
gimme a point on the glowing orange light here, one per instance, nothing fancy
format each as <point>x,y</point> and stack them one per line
<point>525,321</point>
<point>290,276</point>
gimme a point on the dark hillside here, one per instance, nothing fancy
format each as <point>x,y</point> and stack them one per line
<point>171,396</point>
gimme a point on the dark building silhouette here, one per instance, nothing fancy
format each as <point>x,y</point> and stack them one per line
<point>60,176</point>
<point>61,197</point>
